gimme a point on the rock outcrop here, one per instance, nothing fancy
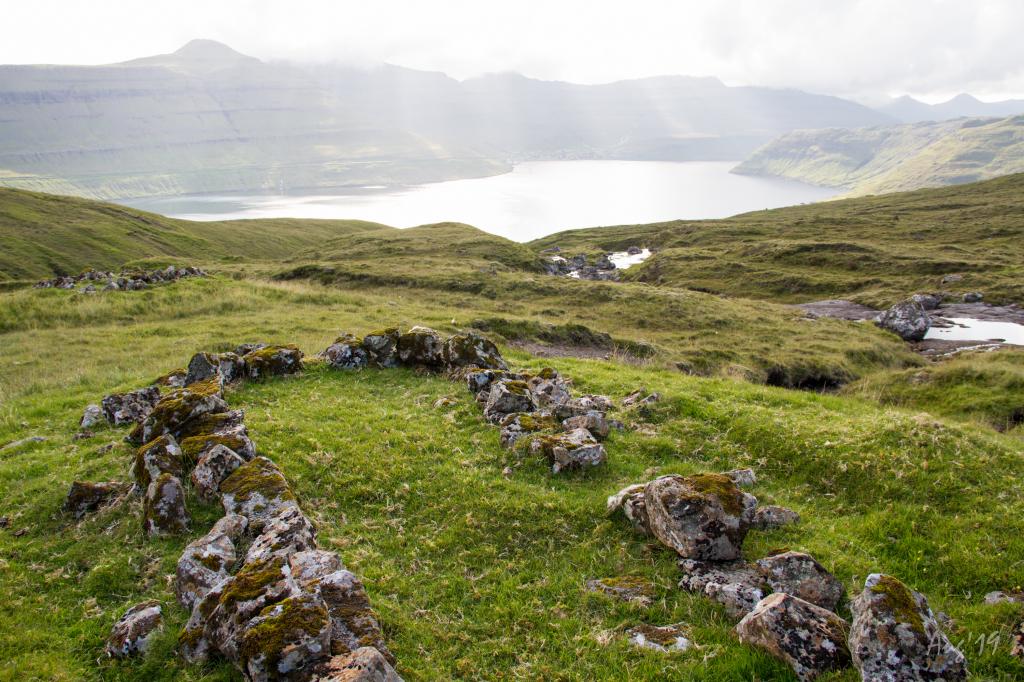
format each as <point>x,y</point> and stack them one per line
<point>908,320</point>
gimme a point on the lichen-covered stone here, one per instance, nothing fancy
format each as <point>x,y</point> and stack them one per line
<point>365,664</point>
<point>812,640</point>
<point>235,437</point>
<point>173,379</point>
<point>175,410</point>
<point>704,516</point>
<point>131,633</point>
<point>771,516</point>
<point>908,320</point>
<point>582,405</point>
<point>472,350</point>
<point>283,534</point>
<point>744,478</point>
<point>214,466</point>
<point>592,421</point>
<point>208,560</point>
<point>162,455</point>
<point>164,512</point>
<point>549,392</point>
<point>273,361</point>
<point>736,585</point>
<point>896,638</point>
<point>244,349</point>
<point>802,576</point>
<point>201,367</point>
<point>507,397</point>
<point>663,638</point>
<point>573,450</point>
<point>131,407</point>
<point>353,623</point>
<point>481,380</point>
<point>631,501</point>
<point>91,416</point>
<point>346,352</point>
<point>382,348</point>
<point>215,422</point>
<point>515,426</point>
<point>627,588</point>
<point>258,491</point>
<point>85,497</point>
<point>285,638</point>
<point>420,347</point>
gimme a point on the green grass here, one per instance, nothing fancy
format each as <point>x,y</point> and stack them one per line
<point>875,250</point>
<point>474,575</point>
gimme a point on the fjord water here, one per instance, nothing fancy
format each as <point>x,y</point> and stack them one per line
<point>534,200</point>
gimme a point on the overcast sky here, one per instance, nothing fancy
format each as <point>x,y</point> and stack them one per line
<point>928,48</point>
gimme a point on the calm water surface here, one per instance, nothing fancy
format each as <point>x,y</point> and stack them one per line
<point>534,200</point>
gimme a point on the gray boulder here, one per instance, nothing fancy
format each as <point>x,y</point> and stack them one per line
<point>420,347</point>
<point>908,320</point>
<point>382,348</point>
<point>208,560</point>
<point>772,516</point>
<point>896,638</point>
<point>346,352</point>
<point>633,505</point>
<point>131,407</point>
<point>810,639</point>
<point>164,512</point>
<point>162,455</point>
<point>576,449</point>
<point>214,466</point>
<point>736,585</point>
<point>593,421</point>
<point>471,350</point>
<point>91,416</point>
<point>507,397</point>
<point>704,516</point>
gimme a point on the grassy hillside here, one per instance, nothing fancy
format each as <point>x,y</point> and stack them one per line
<point>895,159</point>
<point>875,250</point>
<point>475,575</point>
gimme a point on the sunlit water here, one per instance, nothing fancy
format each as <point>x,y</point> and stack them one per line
<point>534,200</point>
<point>968,329</point>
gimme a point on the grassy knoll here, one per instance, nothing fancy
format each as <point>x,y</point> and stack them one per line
<point>875,250</point>
<point>474,575</point>
<point>984,387</point>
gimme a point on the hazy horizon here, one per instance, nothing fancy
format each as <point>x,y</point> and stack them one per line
<point>931,50</point>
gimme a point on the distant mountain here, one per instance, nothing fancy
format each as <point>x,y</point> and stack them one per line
<point>895,158</point>
<point>209,119</point>
<point>910,110</point>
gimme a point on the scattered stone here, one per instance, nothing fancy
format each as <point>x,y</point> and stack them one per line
<point>131,407</point>
<point>573,450</point>
<point>895,637</point>
<point>131,633</point>
<point>128,280</point>
<point>736,585</point>
<point>85,497</point>
<point>592,421</point>
<point>772,516</point>
<point>213,467</point>
<point>444,401</point>
<point>949,279</point>
<point>809,638</point>
<point>346,352</point>
<point>165,512</point>
<point>507,397</point>
<point>664,638</point>
<point>207,561</point>
<point>908,320</point>
<point>91,416</point>
<point>365,664</point>
<point>273,361</point>
<point>161,455</point>
<point>799,575</point>
<point>973,297</point>
<point>637,398</point>
<point>1004,598</point>
<point>632,502</point>
<point>627,588</point>
<point>927,301</point>
<point>703,516</point>
<point>744,478</point>
<point>14,445</point>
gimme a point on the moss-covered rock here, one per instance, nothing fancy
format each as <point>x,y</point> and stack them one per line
<point>472,350</point>
<point>420,347</point>
<point>346,352</point>
<point>273,361</point>
<point>214,465</point>
<point>162,455</point>
<point>207,561</point>
<point>286,637</point>
<point>85,497</point>
<point>214,422</point>
<point>381,347</point>
<point>572,450</point>
<point>258,491</point>
<point>132,632</point>
<point>895,636</point>
<point>164,512</point>
<point>508,396</point>
<point>132,407</point>
<point>235,438</point>
<point>704,517</point>
<point>175,410</point>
